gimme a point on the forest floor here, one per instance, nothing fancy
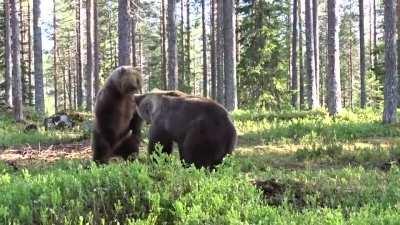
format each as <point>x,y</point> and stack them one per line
<point>307,166</point>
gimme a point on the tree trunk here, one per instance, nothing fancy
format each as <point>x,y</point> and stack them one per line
<point>213,55</point>
<point>294,85</point>
<point>133,33</point>
<point>78,56</point>
<point>363,97</point>
<point>220,53</point>
<point>38,59</point>
<point>55,76</point>
<point>30,94</point>
<point>203,23</point>
<point>391,79</point>
<point>163,48</point>
<point>172,52</point>
<point>230,55</point>
<point>334,90</point>
<point>375,36</point>
<point>310,65</point>
<point>124,30</point>
<point>95,46</point>
<point>188,33</point>
<point>316,47</point>
<point>16,66</point>
<point>351,72</point>
<point>182,51</point>
<point>22,53</point>
<point>89,55</point>
<point>301,59</point>
<point>7,55</point>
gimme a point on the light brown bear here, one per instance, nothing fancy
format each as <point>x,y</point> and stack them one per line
<point>116,130</point>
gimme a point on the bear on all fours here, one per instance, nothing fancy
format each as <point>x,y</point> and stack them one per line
<point>201,127</point>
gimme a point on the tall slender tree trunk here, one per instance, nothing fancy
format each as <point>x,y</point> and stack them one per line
<point>188,33</point>
<point>95,46</point>
<point>70,103</point>
<point>38,59</point>
<point>124,31</point>
<point>16,66</point>
<point>212,51</point>
<point>363,97</point>
<point>7,54</point>
<point>294,83</point>
<point>230,55</point>
<point>220,54</point>
<point>55,75</point>
<point>163,47</point>
<point>182,50</point>
<point>351,73</point>
<point>78,56</point>
<point>391,76</point>
<point>316,47</point>
<point>133,33</point>
<point>22,52</point>
<point>310,65</point>
<point>334,92</point>
<point>89,55</point>
<point>237,37</point>
<point>30,94</point>
<point>203,24</point>
<point>172,52</point>
<point>301,59</point>
<point>375,35</point>
<point>370,35</point>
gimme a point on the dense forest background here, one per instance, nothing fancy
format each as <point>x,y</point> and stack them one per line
<point>288,54</point>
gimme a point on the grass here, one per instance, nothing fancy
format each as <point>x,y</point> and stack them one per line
<point>289,168</point>
<point>13,134</point>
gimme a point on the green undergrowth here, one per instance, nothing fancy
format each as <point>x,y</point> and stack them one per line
<point>311,127</point>
<point>168,193</point>
<point>13,134</point>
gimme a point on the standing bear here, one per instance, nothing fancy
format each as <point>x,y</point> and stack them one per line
<point>200,126</point>
<point>116,130</point>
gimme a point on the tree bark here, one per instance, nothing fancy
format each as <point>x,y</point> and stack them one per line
<point>16,66</point>
<point>220,53</point>
<point>30,94</point>
<point>363,97</point>
<point>310,64</point>
<point>7,55</point>
<point>163,48</point>
<point>55,75</point>
<point>172,52</point>
<point>294,83</point>
<point>133,34</point>
<point>391,78</point>
<point>316,47</point>
<point>124,30</point>
<point>188,33</point>
<point>95,46</point>
<point>212,51</point>
<point>334,92</point>
<point>182,50</point>
<point>230,55</point>
<point>301,59</point>
<point>89,55</point>
<point>78,56</point>
<point>375,36</point>
<point>38,59</point>
<point>203,23</point>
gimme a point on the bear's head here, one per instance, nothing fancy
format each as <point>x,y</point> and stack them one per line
<point>127,80</point>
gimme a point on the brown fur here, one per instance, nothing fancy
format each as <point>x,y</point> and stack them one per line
<point>117,125</point>
<point>200,126</point>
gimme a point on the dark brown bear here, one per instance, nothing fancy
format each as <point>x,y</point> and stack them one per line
<point>117,125</point>
<point>200,126</point>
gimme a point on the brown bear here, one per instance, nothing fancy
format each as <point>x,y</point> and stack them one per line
<point>116,130</point>
<point>201,127</point>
